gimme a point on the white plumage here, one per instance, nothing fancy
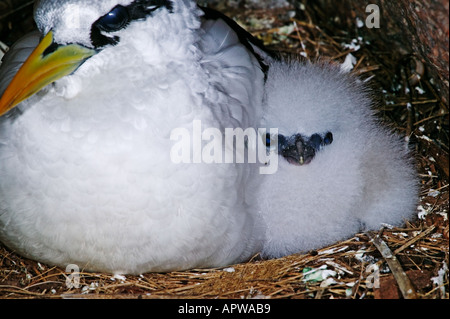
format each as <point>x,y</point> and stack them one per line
<point>86,174</point>
<point>85,170</point>
<point>363,179</point>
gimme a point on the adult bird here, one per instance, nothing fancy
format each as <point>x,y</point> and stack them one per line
<point>86,175</point>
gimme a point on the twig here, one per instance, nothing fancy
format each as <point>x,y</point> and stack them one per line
<point>413,240</point>
<point>400,276</point>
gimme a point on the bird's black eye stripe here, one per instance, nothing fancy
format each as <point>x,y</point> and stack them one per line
<point>52,48</point>
<point>120,16</point>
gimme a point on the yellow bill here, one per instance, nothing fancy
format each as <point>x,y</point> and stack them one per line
<point>48,63</point>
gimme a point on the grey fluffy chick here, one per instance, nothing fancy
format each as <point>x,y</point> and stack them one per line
<point>364,178</point>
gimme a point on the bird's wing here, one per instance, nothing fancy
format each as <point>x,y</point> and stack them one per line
<point>238,65</point>
<point>222,27</point>
<point>15,57</point>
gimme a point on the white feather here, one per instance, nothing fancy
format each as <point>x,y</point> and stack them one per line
<point>363,179</point>
<point>85,171</point>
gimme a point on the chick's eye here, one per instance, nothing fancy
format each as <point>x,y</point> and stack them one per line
<point>115,20</point>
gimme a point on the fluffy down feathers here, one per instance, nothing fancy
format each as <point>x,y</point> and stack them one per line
<point>363,179</point>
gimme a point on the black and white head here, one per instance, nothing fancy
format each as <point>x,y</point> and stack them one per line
<point>120,31</point>
<point>97,24</point>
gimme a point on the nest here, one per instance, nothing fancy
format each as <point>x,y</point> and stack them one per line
<point>407,262</point>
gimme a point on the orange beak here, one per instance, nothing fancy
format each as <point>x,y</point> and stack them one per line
<point>46,64</point>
